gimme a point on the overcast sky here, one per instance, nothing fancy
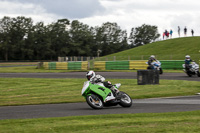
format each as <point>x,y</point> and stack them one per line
<point>166,14</point>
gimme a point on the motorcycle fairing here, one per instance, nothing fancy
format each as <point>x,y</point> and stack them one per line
<point>100,90</point>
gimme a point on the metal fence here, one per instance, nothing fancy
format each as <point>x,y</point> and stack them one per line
<point>75,58</point>
<point>195,57</point>
<point>112,65</point>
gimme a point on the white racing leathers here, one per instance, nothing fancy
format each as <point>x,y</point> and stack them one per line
<point>97,78</point>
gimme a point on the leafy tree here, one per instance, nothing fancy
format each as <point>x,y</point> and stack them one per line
<point>59,35</point>
<point>18,34</point>
<point>29,41</point>
<point>131,38</point>
<point>124,41</point>
<point>82,43</point>
<point>143,34</point>
<point>111,38</point>
<point>40,42</point>
<point>20,39</point>
<point>5,43</point>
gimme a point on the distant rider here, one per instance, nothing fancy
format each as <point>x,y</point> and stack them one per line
<point>151,61</point>
<point>188,61</point>
<point>95,79</point>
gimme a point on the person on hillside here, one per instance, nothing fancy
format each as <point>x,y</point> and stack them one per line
<point>163,35</point>
<point>166,34</point>
<point>192,31</point>
<point>171,33</point>
<point>185,31</point>
<point>179,29</point>
<point>188,61</point>
<point>96,79</point>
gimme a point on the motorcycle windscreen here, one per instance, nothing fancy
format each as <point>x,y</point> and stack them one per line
<point>85,87</point>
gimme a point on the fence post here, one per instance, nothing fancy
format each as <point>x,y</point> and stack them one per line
<point>66,58</point>
<point>88,58</point>
<point>88,65</point>
<point>59,59</point>
<point>114,58</point>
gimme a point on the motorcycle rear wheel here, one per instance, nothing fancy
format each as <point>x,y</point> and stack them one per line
<point>125,100</point>
<point>94,101</point>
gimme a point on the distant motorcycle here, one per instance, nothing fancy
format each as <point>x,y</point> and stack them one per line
<point>155,65</point>
<point>193,69</point>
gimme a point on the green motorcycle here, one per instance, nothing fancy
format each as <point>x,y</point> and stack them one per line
<point>98,96</point>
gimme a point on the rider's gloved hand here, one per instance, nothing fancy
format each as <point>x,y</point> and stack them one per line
<point>98,80</point>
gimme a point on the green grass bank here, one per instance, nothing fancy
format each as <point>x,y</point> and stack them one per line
<point>25,91</point>
<point>171,49</point>
<point>179,122</point>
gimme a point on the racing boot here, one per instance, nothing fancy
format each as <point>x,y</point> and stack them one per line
<point>114,89</point>
<point>109,97</point>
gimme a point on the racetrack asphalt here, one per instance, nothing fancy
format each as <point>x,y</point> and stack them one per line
<point>107,75</point>
<point>156,105</point>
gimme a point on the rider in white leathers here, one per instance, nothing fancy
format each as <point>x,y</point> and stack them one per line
<point>93,78</point>
<point>153,62</point>
<point>98,79</point>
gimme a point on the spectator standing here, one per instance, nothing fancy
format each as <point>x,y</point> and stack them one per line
<point>179,29</point>
<point>185,31</point>
<point>171,33</point>
<point>192,31</point>
<point>167,34</point>
<point>163,35</point>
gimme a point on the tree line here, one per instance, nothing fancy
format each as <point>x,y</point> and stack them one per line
<point>21,39</point>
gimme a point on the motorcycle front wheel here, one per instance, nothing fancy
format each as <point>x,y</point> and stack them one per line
<point>125,100</point>
<point>94,101</point>
<point>189,73</point>
<point>161,71</point>
<point>198,74</point>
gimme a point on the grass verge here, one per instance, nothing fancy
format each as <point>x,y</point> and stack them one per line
<point>24,91</point>
<point>32,69</point>
<point>28,69</point>
<point>179,122</point>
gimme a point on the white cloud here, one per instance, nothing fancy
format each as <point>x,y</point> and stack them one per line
<point>36,12</point>
<point>126,13</point>
<point>65,8</point>
<point>165,14</point>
